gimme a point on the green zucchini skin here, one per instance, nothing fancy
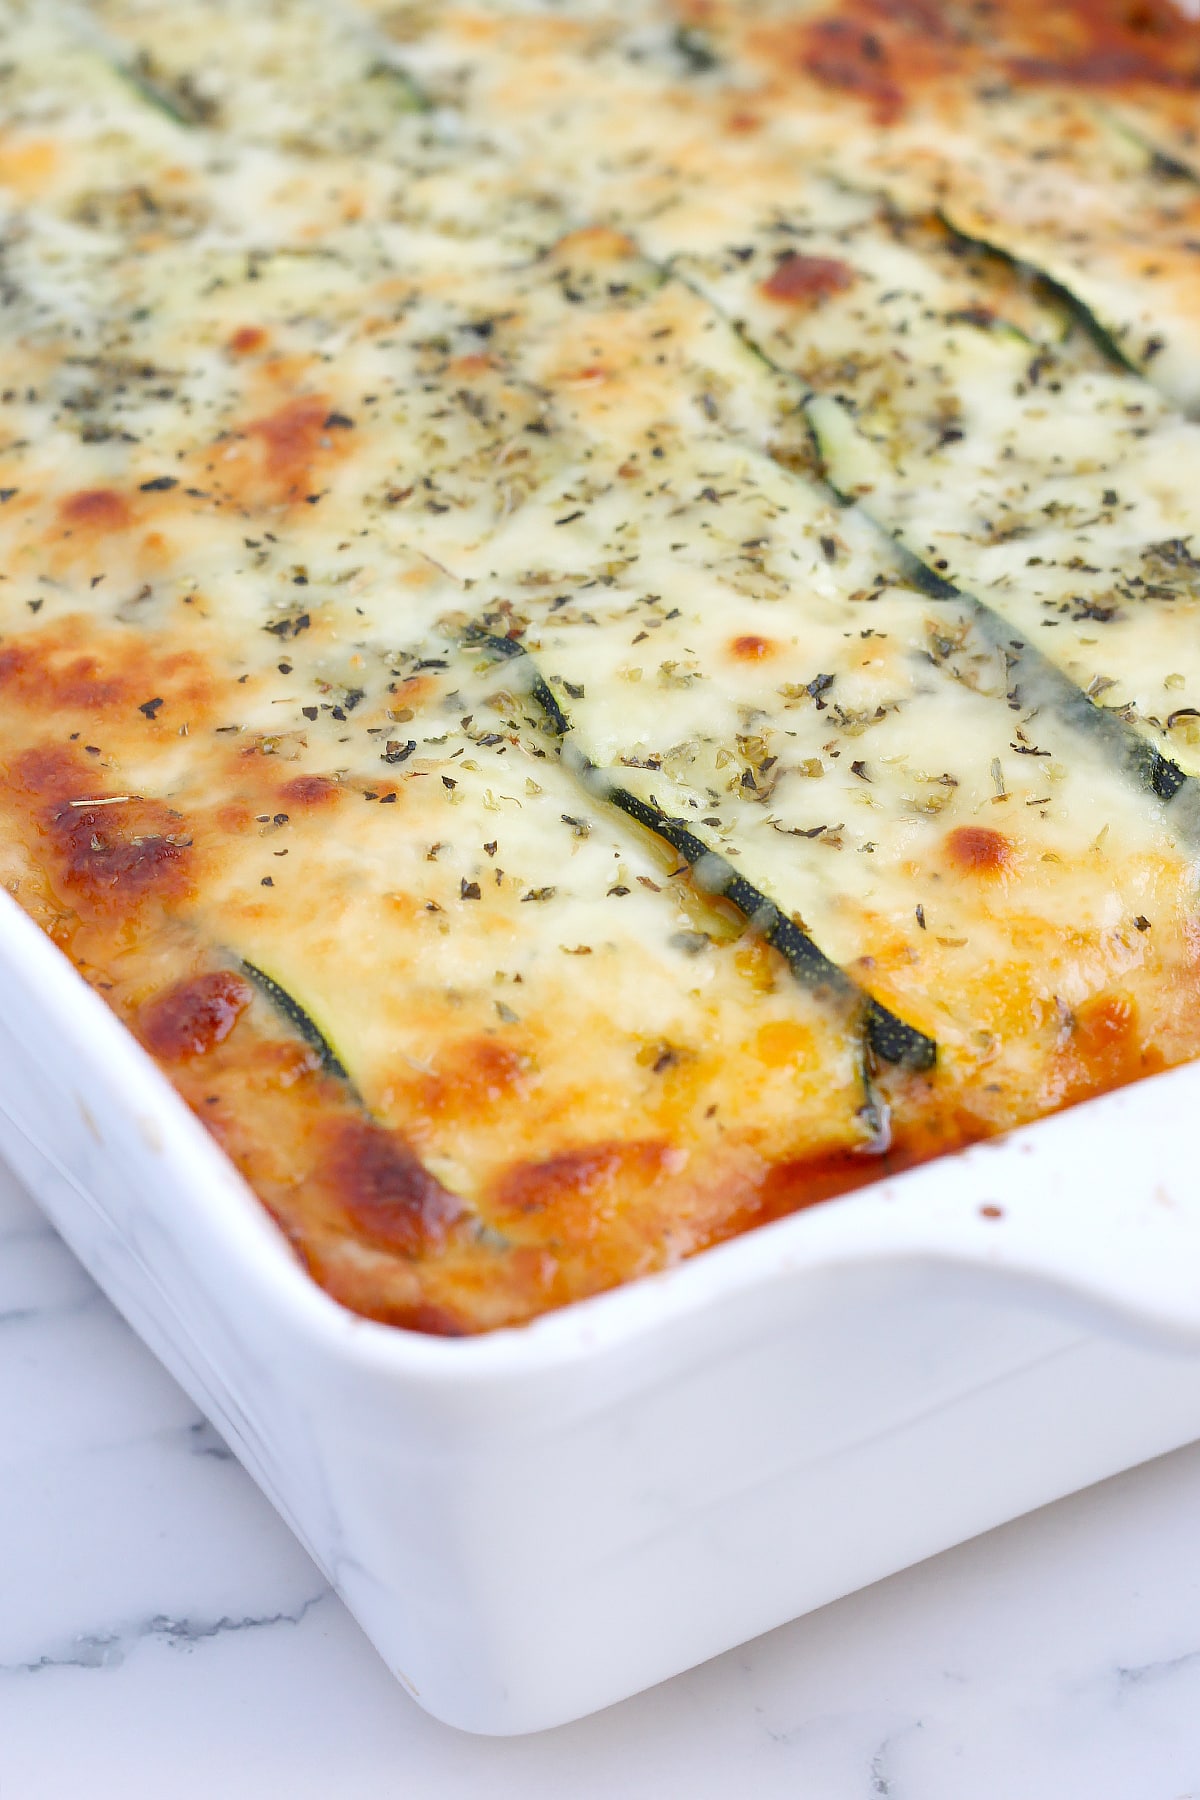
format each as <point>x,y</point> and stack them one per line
<point>1071,303</point>
<point>410,96</point>
<point>1034,673</point>
<point>296,1016</point>
<point>1034,677</point>
<point>175,106</point>
<point>1035,680</point>
<point>889,1037</point>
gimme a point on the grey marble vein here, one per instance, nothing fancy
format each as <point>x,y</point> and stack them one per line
<point>882,1780</point>
<point>40,1312</point>
<point>204,1440</point>
<point>108,1649</point>
<point>1136,1674</point>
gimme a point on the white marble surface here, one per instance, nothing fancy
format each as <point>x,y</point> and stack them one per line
<point>161,1632</point>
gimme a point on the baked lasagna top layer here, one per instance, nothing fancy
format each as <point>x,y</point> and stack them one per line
<point>599,602</point>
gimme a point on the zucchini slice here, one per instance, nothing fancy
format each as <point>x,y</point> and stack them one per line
<point>858,472</point>
<point>858,469</point>
<point>851,464</point>
<point>176,99</point>
<point>303,1022</point>
<point>889,1037</point>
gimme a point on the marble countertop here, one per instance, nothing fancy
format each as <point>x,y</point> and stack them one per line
<point>161,1631</point>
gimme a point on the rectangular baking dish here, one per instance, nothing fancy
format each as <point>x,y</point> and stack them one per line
<point>533,1524</point>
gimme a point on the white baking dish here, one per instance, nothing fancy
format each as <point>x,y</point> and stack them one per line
<point>533,1524</point>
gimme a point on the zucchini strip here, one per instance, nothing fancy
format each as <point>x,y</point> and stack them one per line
<point>409,95</point>
<point>889,1037</point>
<point>1161,161</point>
<point>296,1016</point>
<point>179,104</point>
<point>1035,681</point>
<point>1104,338</point>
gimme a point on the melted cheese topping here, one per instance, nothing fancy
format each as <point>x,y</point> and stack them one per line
<point>580,658</point>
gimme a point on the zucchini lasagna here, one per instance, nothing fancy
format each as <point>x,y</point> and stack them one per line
<point>600,599</point>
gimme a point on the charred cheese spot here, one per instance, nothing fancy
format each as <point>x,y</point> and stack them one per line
<point>852,58</point>
<point>471,1079</point>
<point>293,443</point>
<point>807,280</point>
<point>48,772</point>
<point>108,854</point>
<point>1110,44</point>
<point>979,850</point>
<point>117,672</point>
<point>387,1195</point>
<point>888,53</point>
<point>117,855</point>
<point>27,673</point>
<point>95,510</point>
<point>308,793</point>
<point>192,1017</point>
<point>574,1193</point>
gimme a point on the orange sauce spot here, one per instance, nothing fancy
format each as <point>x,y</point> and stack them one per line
<point>246,340</point>
<point>807,280</point>
<point>757,963</point>
<point>414,689</point>
<point>386,1193</point>
<point>191,1018</point>
<point>791,1186</point>
<point>781,1042</point>
<point>595,244</point>
<point>434,1321</point>
<point>28,167</point>
<point>475,364</point>
<point>156,550</point>
<point>95,509</point>
<point>979,849</point>
<point>1105,1035</point>
<point>751,648</point>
